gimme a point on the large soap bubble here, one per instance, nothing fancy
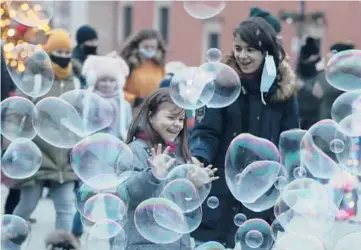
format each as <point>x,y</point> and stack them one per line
<point>344,70</point>
<point>21,160</point>
<point>226,82</point>
<point>102,161</point>
<point>104,232</point>
<point>345,105</point>
<point>31,69</point>
<point>31,13</point>
<point>95,112</point>
<point>192,87</point>
<point>244,150</point>
<point>17,118</point>
<point>350,241</point>
<point>203,9</point>
<point>297,241</point>
<point>174,67</point>
<point>15,232</point>
<point>57,122</point>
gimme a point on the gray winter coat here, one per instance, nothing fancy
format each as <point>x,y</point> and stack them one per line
<point>142,186</point>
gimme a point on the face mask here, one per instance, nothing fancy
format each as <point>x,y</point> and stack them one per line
<point>61,61</point>
<point>269,75</point>
<point>147,53</point>
<point>90,50</point>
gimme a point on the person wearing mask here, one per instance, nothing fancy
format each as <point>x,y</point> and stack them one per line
<point>55,171</point>
<point>87,44</point>
<point>145,55</point>
<point>308,76</point>
<point>266,107</point>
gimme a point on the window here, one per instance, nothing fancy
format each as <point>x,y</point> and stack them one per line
<point>161,20</point>
<point>128,21</point>
<point>211,36</point>
<point>213,40</point>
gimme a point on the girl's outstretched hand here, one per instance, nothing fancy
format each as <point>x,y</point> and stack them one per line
<point>200,176</point>
<point>159,163</point>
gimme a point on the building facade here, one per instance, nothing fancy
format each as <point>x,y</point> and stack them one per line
<point>188,38</point>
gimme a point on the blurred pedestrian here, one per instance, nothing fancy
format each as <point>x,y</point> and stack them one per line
<point>308,76</point>
<point>145,54</point>
<point>266,107</point>
<point>87,44</point>
<point>55,170</point>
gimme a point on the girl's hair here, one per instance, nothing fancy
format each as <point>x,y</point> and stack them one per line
<point>129,52</point>
<point>258,34</point>
<point>141,121</point>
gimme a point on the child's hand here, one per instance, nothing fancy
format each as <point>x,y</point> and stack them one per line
<point>201,176</point>
<point>159,164</point>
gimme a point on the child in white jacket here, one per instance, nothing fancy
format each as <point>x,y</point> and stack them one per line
<point>105,76</point>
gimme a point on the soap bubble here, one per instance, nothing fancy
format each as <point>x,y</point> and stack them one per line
<point>254,233</point>
<point>15,232</point>
<point>254,239</point>
<point>203,9</point>
<point>337,146</point>
<point>213,202</point>
<point>213,55</point>
<point>281,182</point>
<point>211,245</point>
<point>345,105</point>
<point>344,70</point>
<point>31,13</point>
<point>147,226</point>
<point>102,161</point>
<point>31,69</point>
<point>191,88</point>
<point>350,241</point>
<point>227,85</point>
<point>57,122</point>
<point>239,219</point>
<point>96,113</point>
<point>297,241</point>
<point>22,159</point>
<point>299,172</point>
<point>17,118</point>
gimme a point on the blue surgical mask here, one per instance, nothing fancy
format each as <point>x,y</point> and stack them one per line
<point>269,75</point>
<point>147,53</point>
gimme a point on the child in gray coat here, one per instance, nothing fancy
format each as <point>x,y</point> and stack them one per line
<point>161,123</point>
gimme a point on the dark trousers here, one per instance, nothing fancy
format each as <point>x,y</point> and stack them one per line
<point>12,200</point>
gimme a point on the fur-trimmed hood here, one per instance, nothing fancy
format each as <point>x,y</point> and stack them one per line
<point>288,85</point>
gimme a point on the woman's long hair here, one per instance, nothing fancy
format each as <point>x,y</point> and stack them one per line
<point>130,52</point>
<point>141,122</point>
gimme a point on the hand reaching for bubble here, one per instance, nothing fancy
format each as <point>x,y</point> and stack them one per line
<point>200,176</point>
<point>158,163</point>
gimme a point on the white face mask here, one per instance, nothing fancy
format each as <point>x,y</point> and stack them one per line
<point>269,75</point>
<point>147,53</point>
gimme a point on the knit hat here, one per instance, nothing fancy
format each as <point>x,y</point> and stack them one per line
<point>342,47</point>
<point>85,33</point>
<point>99,66</point>
<point>270,19</point>
<point>57,38</point>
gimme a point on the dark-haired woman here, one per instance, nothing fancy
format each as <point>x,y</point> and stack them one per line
<point>265,108</point>
<point>145,54</point>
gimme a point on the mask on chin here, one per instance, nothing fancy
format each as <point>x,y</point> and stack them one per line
<point>147,53</point>
<point>90,50</point>
<point>269,75</point>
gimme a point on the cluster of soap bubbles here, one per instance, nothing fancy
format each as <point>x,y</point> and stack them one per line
<point>212,84</point>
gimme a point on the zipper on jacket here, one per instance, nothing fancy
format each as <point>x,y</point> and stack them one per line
<point>61,178</point>
<point>61,87</point>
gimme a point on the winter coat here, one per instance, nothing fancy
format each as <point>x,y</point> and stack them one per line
<point>141,186</point>
<point>216,128</point>
<point>55,165</point>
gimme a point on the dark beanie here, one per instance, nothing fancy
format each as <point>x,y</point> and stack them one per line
<point>165,83</point>
<point>85,33</point>
<point>342,47</point>
<point>270,19</point>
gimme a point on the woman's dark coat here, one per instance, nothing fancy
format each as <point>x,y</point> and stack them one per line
<point>216,128</point>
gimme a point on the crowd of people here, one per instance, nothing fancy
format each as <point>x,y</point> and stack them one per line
<point>135,82</point>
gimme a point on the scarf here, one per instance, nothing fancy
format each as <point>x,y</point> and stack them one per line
<point>62,73</point>
<point>172,146</point>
